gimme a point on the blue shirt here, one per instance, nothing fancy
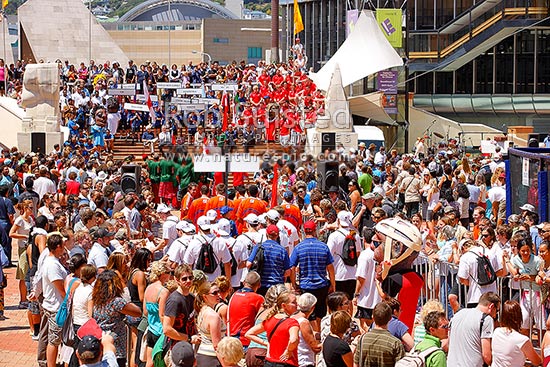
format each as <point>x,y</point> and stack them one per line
<point>275,264</point>
<point>313,257</point>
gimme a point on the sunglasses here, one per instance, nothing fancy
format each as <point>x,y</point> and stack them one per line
<point>215,293</point>
<point>377,217</point>
<point>185,279</point>
<point>447,326</point>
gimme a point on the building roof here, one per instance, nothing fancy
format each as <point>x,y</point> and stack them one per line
<point>59,29</point>
<point>180,10</point>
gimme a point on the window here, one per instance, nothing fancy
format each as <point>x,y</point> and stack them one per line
<point>221,40</point>
<point>254,52</point>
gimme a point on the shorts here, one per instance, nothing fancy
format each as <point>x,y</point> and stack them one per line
<point>23,265</point>
<point>54,331</point>
<point>210,361</point>
<point>363,313</point>
<point>321,306</point>
<point>152,339</point>
<point>255,357</point>
<point>346,286</point>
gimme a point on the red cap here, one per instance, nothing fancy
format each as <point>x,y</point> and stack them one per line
<point>271,229</point>
<point>310,226</point>
<point>90,327</point>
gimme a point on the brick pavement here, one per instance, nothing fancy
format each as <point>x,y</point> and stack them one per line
<point>16,346</point>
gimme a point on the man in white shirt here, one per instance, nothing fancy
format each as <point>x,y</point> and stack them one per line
<point>53,290</point>
<point>177,250</point>
<point>43,184</point>
<point>380,156</point>
<point>100,251</point>
<point>344,274</point>
<point>220,250</point>
<point>169,232</point>
<point>238,250</point>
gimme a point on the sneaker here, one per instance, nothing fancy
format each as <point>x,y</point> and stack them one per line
<point>35,337</point>
<point>23,305</point>
<point>2,317</point>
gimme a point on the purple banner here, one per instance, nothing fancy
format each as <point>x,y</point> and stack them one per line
<point>387,81</point>
<point>351,19</point>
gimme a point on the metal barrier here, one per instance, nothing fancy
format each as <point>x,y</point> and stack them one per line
<point>440,282</point>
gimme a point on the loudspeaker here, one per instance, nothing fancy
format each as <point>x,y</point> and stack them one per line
<point>328,141</point>
<point>327,175</point>
<point>38,143</point>
<point>131,178</point>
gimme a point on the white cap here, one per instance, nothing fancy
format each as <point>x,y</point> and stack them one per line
<point>212,215</point>
<point>529,208</point>
<point>203,222</point>
<point>224,227</point>
<point>162,208</point>
<point>185,226</point>
<point>273,214</point>
<point>181,225</point>
<point>251,219</point>
<point>261,219</point>
<point>345,217</point>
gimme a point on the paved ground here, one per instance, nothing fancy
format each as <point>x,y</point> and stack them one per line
<point>16,346</point>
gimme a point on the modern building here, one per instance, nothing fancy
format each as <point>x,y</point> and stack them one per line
<point>470,61</point>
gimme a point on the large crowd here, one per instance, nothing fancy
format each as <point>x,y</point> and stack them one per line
<point>404,257</point>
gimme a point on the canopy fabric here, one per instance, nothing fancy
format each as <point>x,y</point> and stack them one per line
<point>370,106</point>
<point>427,123</point>
<point>366,51</point>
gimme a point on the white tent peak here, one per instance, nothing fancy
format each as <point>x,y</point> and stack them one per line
<point>366,51</point>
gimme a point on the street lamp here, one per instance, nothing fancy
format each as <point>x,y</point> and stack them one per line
<point>204,54</point>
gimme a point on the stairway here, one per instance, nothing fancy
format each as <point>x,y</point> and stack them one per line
<point>125,147</point>
<point>449,52</point>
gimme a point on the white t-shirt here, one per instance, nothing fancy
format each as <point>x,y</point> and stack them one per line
<point>506,346</point>
<point>220,252</point>
<point>44,185</point>
<point>497,193</point>
<point>467,269</point>
<point>178,248</point>
<point>247,241</point>
<point>335,243</point>
<point>368,294</point>
<point>240,253</point>
<point>291,231</point>
<point>98,256</point>
<point>169,231</point>
<point>24,228</point>
<point>52,271</point>
<point>81,298</point>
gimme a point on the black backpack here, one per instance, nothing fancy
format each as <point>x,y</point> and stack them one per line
<point>485,272</point>
<point>349,249</point>
<point>462,191</point>
<point>206,260</point>
<point>233,262</point>
<point>259,260</point>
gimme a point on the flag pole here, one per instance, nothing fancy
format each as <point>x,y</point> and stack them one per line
<point>4,20</point>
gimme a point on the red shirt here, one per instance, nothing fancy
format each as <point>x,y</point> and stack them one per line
<point>247,206</point>
<point>197,209</point>
<point>255,98</point>
<point>73,187</point>
<point>243,308</point>
<point>279,340</point>
<point>293,215</point>
<point>408,296</point>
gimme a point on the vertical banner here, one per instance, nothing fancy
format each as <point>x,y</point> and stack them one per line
<point>387,83</point>
<point>351,19</point>
<point>390,21</point>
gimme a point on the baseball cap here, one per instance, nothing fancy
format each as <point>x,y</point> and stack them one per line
<point>345,217</point>
<point>162,208</point>
<point>528,207</point>
<point>182,224</point>
<point>261,219</point>
<point>203,222</point>
<point>368,196</point>
<point>103,232</point>
<point>273,214</point>
<point>310,226</point>
<point>272,229</point>
<point>182,354</point>
<point>448,209</point>
<point>89,347</point>
<point>288,195</point>
<point>333,189</point>
<point>252,219</point>
<point>90,327</point>
<point>224,227</point>
<point>225,209</point>
<point>212,215</point>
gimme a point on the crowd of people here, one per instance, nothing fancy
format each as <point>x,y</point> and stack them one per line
<point>276,273</point>
<point>274,270</point>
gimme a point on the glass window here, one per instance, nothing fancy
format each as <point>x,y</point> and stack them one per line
<point>484,73</point>
<point>504,62</point>
<point>543,61</point>
<point>525,59</point>
<point>424,84</point>
<point>221,40</point>
<point>444,82</point>
<point>463,79</point>
<point>254,52</point>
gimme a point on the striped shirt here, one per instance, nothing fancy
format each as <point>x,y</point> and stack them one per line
<point>275,264</point>
<point>313,257</point>
<point>378,349</point>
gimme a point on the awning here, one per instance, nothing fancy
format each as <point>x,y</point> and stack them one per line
<point>370,107</point>
<point>439,128</point>
<point>366,51</point>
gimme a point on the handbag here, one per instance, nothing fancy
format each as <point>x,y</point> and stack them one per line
<point>68,336</point>
<point>63,311</point>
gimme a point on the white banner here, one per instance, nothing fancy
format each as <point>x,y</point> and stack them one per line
<point>189,91</point>
<point>128,86</point>
<point>172,85</point>
<point>177,100</point>
<point>121,92</point>
<point>206,100</point>
<point>136,107</point>
<point>192,107</point>
<point>242,162</point>
<point>225,87</point>
<point>141,97</point>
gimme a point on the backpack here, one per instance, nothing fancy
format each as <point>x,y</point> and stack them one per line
<point>259,260</point>
<point>415,358</point>
<point>206,260</point>
<point>462,191</point>
<point>349,249</point>
<point>485,272</point>
<point>233,262</point>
